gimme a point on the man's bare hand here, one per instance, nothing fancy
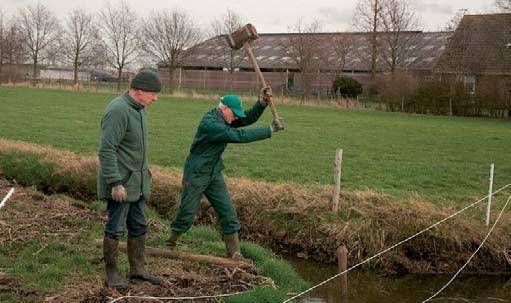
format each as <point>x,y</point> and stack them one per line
<point>119,194</point>
<point>265,94</point>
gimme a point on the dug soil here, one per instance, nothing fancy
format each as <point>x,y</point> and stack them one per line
<point>31,216</point>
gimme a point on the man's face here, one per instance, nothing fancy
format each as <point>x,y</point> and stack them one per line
<point>229,115</point>
<point>145,98</point>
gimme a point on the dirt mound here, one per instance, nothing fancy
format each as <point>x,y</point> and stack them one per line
<point>180,280</point>
<point>31,215</point>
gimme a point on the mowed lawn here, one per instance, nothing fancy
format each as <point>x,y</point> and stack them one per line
<point>441,158</point>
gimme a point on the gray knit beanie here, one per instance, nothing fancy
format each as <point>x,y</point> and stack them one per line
<point>147,81</point>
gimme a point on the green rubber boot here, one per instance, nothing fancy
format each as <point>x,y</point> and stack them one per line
<point>232,244</point>
<point>110,252</point>
<point>172,240</point>
<point>136,247</point>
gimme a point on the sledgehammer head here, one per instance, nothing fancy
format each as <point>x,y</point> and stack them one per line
<point>244,34</point>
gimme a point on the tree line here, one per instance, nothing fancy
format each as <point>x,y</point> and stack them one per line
<point>117,37</point>
<point>114,37</point>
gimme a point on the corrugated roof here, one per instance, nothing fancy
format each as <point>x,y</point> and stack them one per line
<point>479,46</point>
<point>422,50</point>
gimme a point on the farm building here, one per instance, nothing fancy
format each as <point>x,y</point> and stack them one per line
<point>479,54</point>
<point>67,74</point>
<point>333,54</point>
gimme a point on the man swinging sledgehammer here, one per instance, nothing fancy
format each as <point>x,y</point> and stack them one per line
<point>203,167</point>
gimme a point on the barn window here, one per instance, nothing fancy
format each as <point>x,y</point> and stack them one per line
<point>470,84</point>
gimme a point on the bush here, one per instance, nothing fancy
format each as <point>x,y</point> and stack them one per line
<point>397,90</point>
<point>347,87</point>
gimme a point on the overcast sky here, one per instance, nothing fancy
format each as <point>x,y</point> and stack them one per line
<point>271,16</point>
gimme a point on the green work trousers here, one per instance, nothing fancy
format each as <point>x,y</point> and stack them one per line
<point>214,188</point>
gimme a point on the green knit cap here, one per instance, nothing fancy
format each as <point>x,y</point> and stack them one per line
<point>147,81</point>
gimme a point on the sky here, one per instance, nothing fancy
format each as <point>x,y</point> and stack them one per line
<point>270,16</point>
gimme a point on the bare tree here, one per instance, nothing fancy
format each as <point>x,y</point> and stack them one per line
<point>97,53</point>
<point>3,29</point>
<point>453,23</point>
<point>503,5</point>
<point>39,28</point>
<point>367,18</point>
<point>305,47</point>
<point>341,47</point>
<point>168,35</point>
<point>120,35</point>
<point>227,24</point>
<point>54,53</point>
<point>397,17</point>
<point>12,43</point>
<point>78,39</point>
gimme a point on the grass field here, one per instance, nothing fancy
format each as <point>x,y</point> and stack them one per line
<point>437,157</point>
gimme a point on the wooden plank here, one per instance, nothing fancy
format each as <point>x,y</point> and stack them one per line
<point>164,252</point>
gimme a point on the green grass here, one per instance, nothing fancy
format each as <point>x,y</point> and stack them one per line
<point>27,169</point>
<point>436,157</point>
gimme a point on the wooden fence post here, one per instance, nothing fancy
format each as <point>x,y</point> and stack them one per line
<point>337,180</point>
<point>342,258</point>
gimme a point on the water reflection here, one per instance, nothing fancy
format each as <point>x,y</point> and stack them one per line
<point>368,287</point>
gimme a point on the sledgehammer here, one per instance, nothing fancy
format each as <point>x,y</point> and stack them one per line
<point>241,38</point>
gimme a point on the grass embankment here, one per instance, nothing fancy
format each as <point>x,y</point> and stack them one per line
<point>47,253</point>
<point>439,158</point>
<point>294,218</point>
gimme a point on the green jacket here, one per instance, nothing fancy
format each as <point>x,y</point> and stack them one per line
<point>213,135</point>
<point>123,149</point>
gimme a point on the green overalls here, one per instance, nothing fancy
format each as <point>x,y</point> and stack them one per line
<point>203,167</point>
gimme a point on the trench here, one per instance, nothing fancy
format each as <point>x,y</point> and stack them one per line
<point>366,286</point>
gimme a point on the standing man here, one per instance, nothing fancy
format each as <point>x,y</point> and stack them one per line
<point>203,167</point>
<point>124,179</point>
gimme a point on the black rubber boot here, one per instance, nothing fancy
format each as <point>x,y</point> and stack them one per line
<point>232,244</point>
<point>136,247</point>
<point>110,255</point>
<point>172,240</point>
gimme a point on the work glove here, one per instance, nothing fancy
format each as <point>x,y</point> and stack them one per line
<point>264,95</point>
<point>275,127</point>
<point>119,193</point>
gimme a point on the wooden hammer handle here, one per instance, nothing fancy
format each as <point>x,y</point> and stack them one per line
<point>259,74</point>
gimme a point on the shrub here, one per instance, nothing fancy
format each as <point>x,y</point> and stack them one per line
<point>347,87</point>
<point>397,89</point>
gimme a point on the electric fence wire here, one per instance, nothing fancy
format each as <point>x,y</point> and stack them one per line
<point>471,257</point>
<point>396,245</point>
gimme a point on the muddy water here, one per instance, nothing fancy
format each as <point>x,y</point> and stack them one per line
<point>367,287</point>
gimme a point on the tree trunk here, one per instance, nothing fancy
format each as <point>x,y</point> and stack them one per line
<point>119,76</point>
<point>171,78</point>
<point>75,71</point>
<point>34,72</point>
<point>231,79</point>
<point>1,60</point>
<point>373,42</point>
